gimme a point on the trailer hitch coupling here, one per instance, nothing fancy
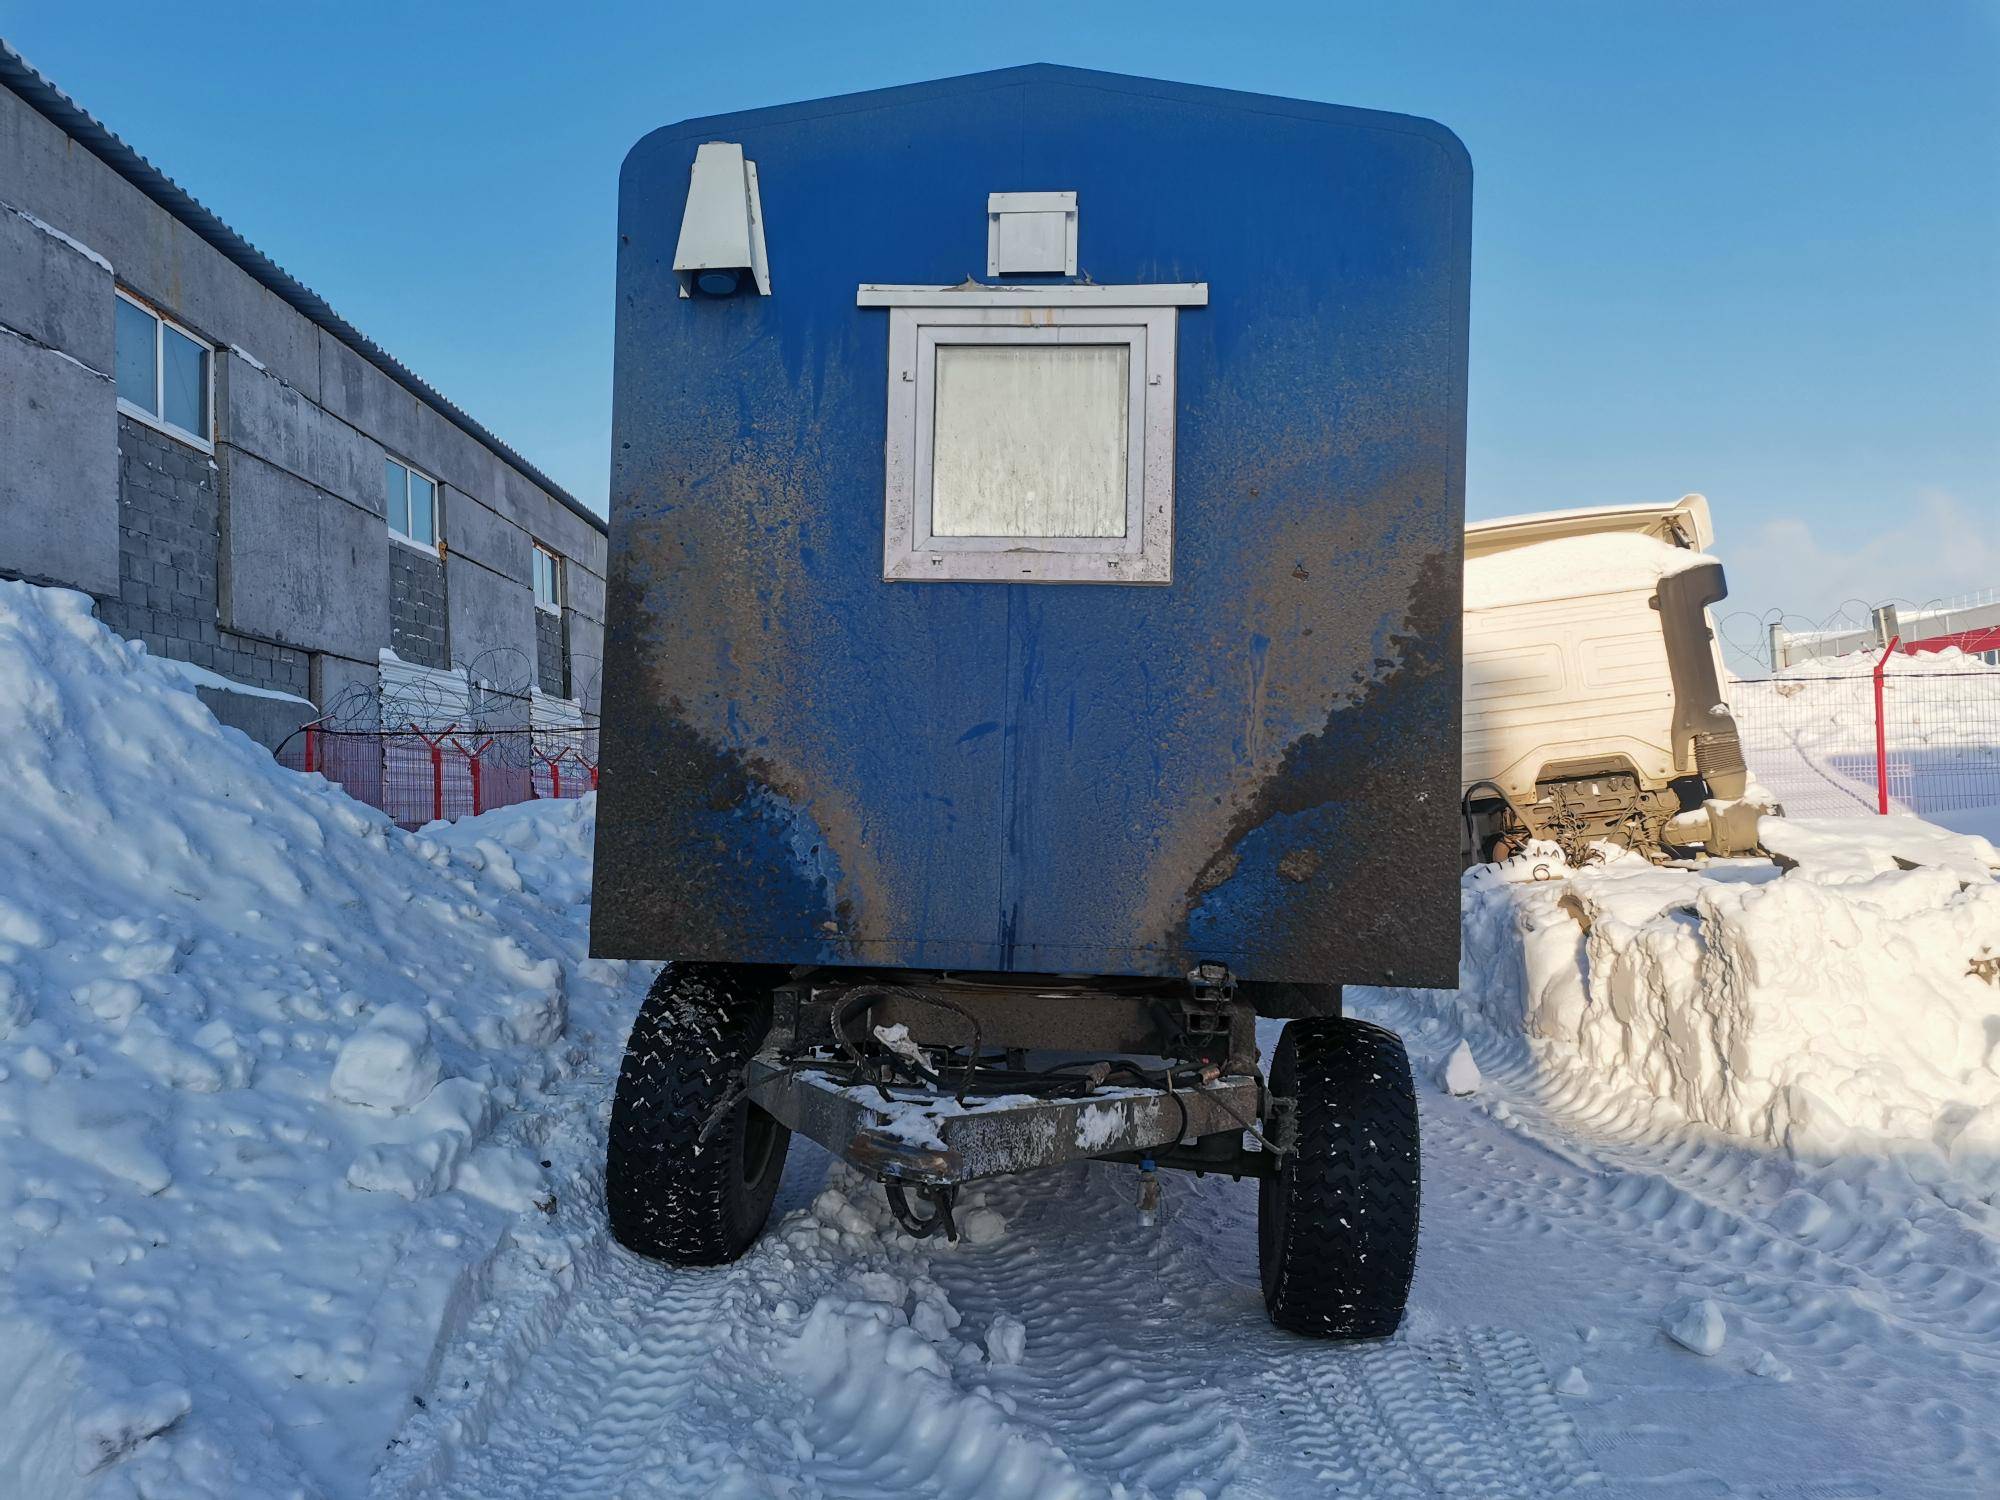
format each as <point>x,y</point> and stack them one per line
<point>886,1155</point>
<point>940,1199</point>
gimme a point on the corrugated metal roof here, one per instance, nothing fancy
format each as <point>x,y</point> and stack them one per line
<point>17,74</point>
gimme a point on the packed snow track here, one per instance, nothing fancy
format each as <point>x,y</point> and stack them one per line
<point>1072,1353</point>
<point>1146,1363</point>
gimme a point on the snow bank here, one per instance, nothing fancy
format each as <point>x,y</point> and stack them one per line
<point>1949,662</point>
<point>1839,850</point>
<point>1843,1005</point>
<point>277,1081</point>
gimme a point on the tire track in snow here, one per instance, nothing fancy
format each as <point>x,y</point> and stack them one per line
<point>1463,1416</point>
<point>1468,1413</point>
<point>1852,1294</point>
<point>663,1382</point>
<point>1708,1200</point>
<point>631,1378</point>
<point>594,1404</point>
<point>1113,1365</point>
<point>1149,1365</point>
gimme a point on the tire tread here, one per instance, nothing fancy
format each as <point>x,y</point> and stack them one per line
<point>670,1196</point>
<point>1339,1265</point>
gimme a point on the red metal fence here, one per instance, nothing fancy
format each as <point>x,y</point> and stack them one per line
<point>1902,738</point>
<point>419,776</point>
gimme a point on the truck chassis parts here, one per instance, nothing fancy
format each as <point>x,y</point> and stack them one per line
<point>926,1083</point>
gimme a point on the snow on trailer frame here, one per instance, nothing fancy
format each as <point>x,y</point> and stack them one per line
<point>1098,619</point>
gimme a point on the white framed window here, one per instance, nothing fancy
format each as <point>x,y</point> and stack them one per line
<point>166,375</point>
<point>410,501</point>
<point>1031,432</point>
<point>548,580</point>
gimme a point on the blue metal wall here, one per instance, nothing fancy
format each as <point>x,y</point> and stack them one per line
<point>1256,764</point>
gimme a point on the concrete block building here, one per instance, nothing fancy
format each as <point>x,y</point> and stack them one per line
<point>244,481</point>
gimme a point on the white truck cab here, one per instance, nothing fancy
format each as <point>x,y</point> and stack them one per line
<point>1593,685</point>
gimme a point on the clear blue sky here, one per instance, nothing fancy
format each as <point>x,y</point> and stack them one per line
<point>1751,250</point>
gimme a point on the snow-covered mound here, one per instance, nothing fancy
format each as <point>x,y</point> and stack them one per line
<point>1842,1005</point>
<point>277,1081</point>
<point>1948,662</point>
<point>1572,567</point>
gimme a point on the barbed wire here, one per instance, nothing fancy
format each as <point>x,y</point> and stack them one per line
<point>490,702</point>
<point>1748,633</point>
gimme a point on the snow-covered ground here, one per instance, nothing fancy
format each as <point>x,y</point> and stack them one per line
<point>278,1082</point>
<point>1614,1296</point>
<point>300,1186</point>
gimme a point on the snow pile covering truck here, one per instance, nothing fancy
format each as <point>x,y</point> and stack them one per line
<point>1594,706</point>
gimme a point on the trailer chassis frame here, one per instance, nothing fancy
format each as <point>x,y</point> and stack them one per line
<point>930,1141</point>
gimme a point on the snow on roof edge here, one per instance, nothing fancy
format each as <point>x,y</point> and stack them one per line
<point>1577,566</point>
<point>1535,526</point>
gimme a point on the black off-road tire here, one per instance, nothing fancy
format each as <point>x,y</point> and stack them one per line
<point>1337,1226</point>
<point>669,1198</point>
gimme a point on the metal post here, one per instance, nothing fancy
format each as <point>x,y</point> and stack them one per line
<point>1882,732</point>
<point>1888,627</point>
<point>478,805</point>
<point>437,766</point>
<point>312,763</point>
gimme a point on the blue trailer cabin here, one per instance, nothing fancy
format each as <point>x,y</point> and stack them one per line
<point>1043,553</point>
<point>1033,654</point>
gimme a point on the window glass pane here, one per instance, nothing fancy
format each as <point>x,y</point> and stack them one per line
<point>184,371</point>
<point>136,330</point>
<point>423,509</point>
<point>1030,440</point>
<point>396,496</point>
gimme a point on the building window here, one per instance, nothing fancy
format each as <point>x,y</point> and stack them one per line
<point>410,500</point>
<point>1031,432</point>
<point>164,373</point>
<point>548,580</point>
